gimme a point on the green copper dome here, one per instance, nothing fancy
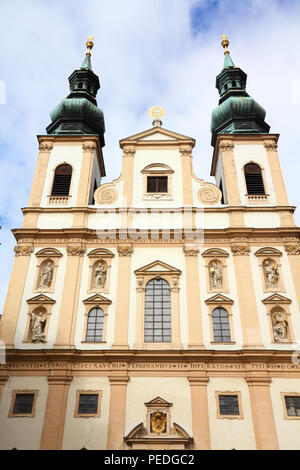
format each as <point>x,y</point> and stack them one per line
<point>79,113</point>
<point>237,112</point>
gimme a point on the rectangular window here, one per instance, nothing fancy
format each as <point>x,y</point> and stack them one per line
<point>23,403</point>
<point>87,404</point>
<point>292,404</point>
<point>157,184</point>
<point>229,405</point>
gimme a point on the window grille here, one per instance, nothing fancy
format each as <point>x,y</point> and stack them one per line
<point>221,327</point>
<point>94,331</point>
<point>229,405</point>
<point>254,181</point>
<point>158,311</point>
<point>292,404</point>
<point>62,181</point>
<point>88,403</point>
<point>23,403</point>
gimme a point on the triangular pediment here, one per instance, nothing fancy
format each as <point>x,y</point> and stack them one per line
<point>276,299</point>
<point>97,299</point>
<point>157,134</point>
<point>158,401</point>
<point>219,299</point>
<point>158,267</point>
<point>41,299</point>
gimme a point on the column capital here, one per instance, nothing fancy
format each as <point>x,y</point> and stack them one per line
<point>257,381</point>
<point>125,250</point>
<point>292,248</point>
<point>118,379</point>
<point>76,250</point>
<point>198,381</point>
<point>23,250</point>
<point>240,249</point>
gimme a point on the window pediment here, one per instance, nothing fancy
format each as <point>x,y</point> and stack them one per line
<point>97,299</point>
<point>268,251</point>
<point>215,253</point>
<point>219,299</point>
<point>157,168</point>
<point>276,299</point>
<point>100,253</point>
<point>157,267</point>
<point>41,299</point>
<point>48,253</point>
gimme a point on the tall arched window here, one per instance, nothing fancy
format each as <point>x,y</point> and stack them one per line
<point>221,325</point>
<point>254,180</point>
<point>62,180</point>
<point>94,330</point>
<point>158,312</point>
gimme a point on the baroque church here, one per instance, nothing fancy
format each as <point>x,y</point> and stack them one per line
<point>156,311</point>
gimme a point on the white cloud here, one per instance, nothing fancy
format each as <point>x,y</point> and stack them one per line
<point>146,52</point>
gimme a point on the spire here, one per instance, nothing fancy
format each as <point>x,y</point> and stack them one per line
<point>86,64</point>
<point>237,112</point>
<point>78,113</point>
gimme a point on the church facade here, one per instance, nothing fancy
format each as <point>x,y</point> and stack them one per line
<point>157,311</point>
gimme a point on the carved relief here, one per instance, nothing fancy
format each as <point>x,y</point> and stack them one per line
<point>76,250</point>
<point>270,145</point>
<point>186,151</point>
<point>158,422</point>
<point>240,249</point>
<point>23,250</point>
<point>292,248</point>
<point>190,251</point>
<point>125,250</point>
<point>209,194</point>
<point>106,194</point>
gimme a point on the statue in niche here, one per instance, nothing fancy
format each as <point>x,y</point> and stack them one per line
<point>46,275</point>
<point>158,422</point>
<point>279,327</point>
<point>37,326</point>
<point>100,275</point>
<point>271,273</point>
<point>215,272</point>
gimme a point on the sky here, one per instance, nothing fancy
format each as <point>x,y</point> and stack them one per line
<point>147,52</point>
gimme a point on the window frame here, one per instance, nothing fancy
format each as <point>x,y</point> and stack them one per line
<point>289,394</point>
<point>96,301</point>
<point>11,413</point>
<point>53,180</point>
<point>88,415</point>
<point>238,394</point>
<point>157,170</point>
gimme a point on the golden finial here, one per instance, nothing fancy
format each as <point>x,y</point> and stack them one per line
<point>89,45</point>
<point>225,43</point>
<point>156,112</point>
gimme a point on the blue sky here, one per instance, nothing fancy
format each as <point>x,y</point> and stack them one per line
<point>147,52</point>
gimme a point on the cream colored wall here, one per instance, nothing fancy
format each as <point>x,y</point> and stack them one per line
<point>112,295</point>
<point>55,220</point>
<point>144,158</point>
<point>172,256</point>
<point>90,433</point>
<point>227,434</point>
<point>213,220</point>
<point>63,154</point>
<point>257,153</point>
<point>141,390</point>
<point>261,295</point>
<point>288,430</point>
<point>95,176</point>
<point>23,433</point>
<point>28,294</point>
<point>262,219</point>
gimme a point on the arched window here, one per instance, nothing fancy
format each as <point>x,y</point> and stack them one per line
<point>62,180</point>
<point>221,325</point>
<point>158,312</point>
<point>254,181</point>
<point>94,330</point>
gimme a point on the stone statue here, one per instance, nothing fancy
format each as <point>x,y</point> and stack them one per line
<point>272,274</point>
<point>215,273</point>
<point>279,327</point>
<point>46,275</point>
<point>37,325</point>
<point>100,275</point>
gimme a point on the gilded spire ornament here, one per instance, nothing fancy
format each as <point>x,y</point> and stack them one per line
<point>225,43</point>
<point>89,45</point>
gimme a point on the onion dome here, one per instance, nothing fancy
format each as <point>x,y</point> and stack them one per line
<point>78,114</point>
<point>237,113</point>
